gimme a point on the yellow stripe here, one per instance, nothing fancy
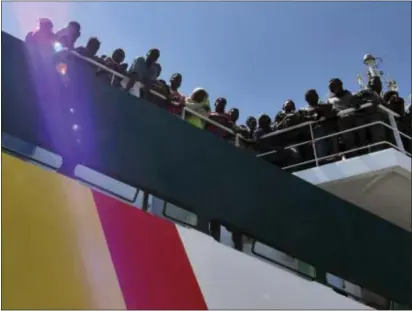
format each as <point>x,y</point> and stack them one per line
<point>54,254</point>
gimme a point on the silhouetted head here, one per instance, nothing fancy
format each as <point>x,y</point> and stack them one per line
<point>251,123</point>
<point>390,96</point>
<point>118,56</point>
<point>375,84</point>
<point>264,121</point>
<point>289,106</point>
<point>92,46</point>
<point>336,86</point>
<point>234,115</point>
<point>395,102</point>
<point>199,95</point>
<point>45,25</point>
<point>176,81</point>
<point>312,97</point>
<point>220,105</point>
<point>74,30</point>
<point>152,56</point>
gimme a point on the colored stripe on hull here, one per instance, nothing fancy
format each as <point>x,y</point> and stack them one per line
<point>67,247</point>
<point>151,263</point>
<point>54,254</point>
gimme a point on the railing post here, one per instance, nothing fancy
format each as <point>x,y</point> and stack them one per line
<point>237,140</point>
<point>395,130</point>
<point>112,80</point>
<point>312,138</point>
<point>183,113</point>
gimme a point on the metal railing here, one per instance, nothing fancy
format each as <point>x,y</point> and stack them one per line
<point>391,116</point>
<point>153,92</point>
<point>313,140</point>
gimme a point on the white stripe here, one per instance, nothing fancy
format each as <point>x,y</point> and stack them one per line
<point>232,280</point>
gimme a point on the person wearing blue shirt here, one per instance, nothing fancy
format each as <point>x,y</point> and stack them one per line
<point>144,70</point>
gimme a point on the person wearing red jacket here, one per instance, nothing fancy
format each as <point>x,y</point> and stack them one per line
<point>175,96</point>
<point>220,116</point>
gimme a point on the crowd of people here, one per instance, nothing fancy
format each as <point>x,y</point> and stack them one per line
<point>328,118</point>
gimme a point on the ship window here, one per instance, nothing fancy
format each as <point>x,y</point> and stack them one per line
<point>30,152</point>
<point>106,184</point>
<point>179,215</point>
<point>282,259</point>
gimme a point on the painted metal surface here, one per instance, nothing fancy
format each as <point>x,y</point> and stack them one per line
<point>379,183</point>
<point>66,246</point>
<point>54,250</point>
<point>232,280</point>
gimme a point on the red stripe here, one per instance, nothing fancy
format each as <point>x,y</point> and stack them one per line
<point>151,263</point>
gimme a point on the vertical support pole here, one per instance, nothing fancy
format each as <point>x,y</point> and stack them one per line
<point>237,142</point>
<point>395,130</point>
<point>312,138</point>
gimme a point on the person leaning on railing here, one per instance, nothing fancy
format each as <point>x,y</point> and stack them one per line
<point>240,130</point>
<point>175,96</point>
<point>159,86</point>
<point>251,124</point>
<point>341,99</point>
<point>116,63</point>
<point>314,112</point>
<point>375,133</point>
<point>289,117</point>
<point>274,152</point>
<point>263,128</point>
<point>144,70</point>
<point>220,116</point>
<point>246,132</point>
<point>40,42</point>
<point>68,35</point>
<point>43,33</point>
<point>90,50</point>
<point>237,129</point>
<point>394,102</point>
<point>198,101</point>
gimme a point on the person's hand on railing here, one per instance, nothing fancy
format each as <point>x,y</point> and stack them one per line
<point>241,130</point>
<point>132,78</point>
<point>356,103</point>
<point>176,100</point>
<point>311,117</point>
<point>316,117</point>
<point>161,87</point>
